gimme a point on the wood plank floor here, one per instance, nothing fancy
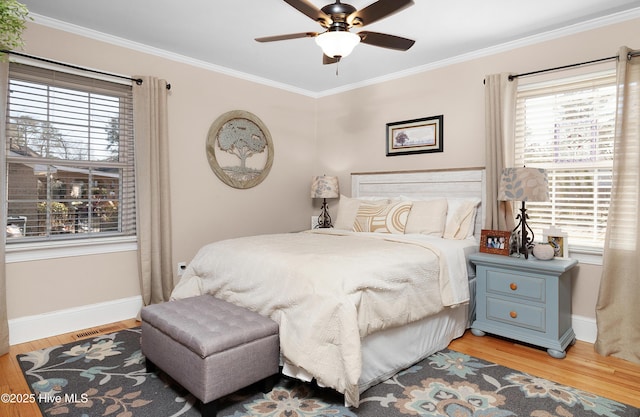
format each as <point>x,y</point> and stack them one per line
<point>582,368</point>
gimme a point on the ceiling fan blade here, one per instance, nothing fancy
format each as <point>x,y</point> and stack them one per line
<point>386,41</point>
<point>308,9</point>
<point>329,60</point>
<point>287,37</point>
<point>376,11</point>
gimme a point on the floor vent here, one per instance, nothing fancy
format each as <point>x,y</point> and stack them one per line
<point>95,331</point>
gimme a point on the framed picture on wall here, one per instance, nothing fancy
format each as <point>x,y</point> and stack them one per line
<point>239,149</point>
<point>495,241</point>
<point>415,136</point>
<point>558,240</point>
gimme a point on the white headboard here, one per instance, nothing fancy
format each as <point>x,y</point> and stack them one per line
<point>454,183</point>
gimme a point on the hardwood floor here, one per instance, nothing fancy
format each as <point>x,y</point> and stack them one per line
<point>582,368</point>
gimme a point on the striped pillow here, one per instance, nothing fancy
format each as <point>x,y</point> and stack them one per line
<point>387,218</point>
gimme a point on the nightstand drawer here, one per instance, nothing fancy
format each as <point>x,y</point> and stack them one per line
<point>516,314</point>
<point>513,285</point>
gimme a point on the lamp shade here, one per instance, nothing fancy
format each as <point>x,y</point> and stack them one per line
<point>325,187</point>
<point>337,44</point>
<point>524,184</point>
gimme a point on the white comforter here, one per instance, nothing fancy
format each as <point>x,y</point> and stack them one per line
<point>328,289</point>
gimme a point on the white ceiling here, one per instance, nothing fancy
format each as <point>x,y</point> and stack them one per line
<point>220,34</point>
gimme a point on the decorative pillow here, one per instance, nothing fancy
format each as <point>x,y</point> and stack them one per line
<point>427,217</point>
<point>461,218</point>
<point>348,209</point>
<point>387,218</point>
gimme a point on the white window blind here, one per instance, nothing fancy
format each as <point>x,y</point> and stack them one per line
<point>69,157</point>
<point>567,127</point>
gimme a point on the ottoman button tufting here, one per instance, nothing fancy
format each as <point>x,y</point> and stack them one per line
<point>210,347</point>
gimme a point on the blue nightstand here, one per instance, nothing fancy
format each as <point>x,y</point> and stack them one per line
<point>526,300</point>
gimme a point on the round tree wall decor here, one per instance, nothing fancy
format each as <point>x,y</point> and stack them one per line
<point>240,149</point>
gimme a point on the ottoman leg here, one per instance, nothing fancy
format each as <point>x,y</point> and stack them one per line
<point>151,367</point>
<point>209,409</point>
<point>269,382</point>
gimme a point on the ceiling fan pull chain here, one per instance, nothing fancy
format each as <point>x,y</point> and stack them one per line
<point>337,68</point>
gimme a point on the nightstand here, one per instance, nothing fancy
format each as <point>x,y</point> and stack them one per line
<point>524,299</point>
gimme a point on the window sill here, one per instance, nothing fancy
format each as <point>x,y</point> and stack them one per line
<point>586,255</point>
<point>26,252</point>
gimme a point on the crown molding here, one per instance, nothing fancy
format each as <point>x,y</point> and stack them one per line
<point>493,50</point>
<point>139,47</point>
<point>507,46</point>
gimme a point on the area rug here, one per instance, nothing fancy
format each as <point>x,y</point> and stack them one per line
<point>106,376</point>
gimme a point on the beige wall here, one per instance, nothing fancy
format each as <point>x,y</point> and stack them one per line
<point>203,209</point>
<point>352,136</point>
<point>45,286</point>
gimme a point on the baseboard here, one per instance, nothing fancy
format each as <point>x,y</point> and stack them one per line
<point>585,328</point>
<point>25,329</point>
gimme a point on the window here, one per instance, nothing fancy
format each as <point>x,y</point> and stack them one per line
<point>69,157</point>
<point>567,127</point>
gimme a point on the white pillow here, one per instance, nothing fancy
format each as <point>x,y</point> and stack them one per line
<point>461,218</point>
<point>382,218</point>
<point>348,208</point>
<point>427,217</point>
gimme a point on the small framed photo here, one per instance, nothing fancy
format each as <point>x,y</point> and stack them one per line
<point>415,136</point>
<point>495,241</point>
<point>558,239</point>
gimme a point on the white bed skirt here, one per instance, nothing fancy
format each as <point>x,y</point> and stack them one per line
<point>389,351</point>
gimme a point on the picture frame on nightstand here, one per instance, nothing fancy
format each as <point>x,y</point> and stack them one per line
<point>495,241</point>
<point>558,240</point>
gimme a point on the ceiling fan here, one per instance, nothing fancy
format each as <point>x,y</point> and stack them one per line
<point>337,18</point>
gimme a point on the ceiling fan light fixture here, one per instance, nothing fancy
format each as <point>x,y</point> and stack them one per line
<point>337,43</point>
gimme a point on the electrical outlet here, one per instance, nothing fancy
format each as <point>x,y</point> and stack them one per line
<point>180,268</point>
<point>314,221</point>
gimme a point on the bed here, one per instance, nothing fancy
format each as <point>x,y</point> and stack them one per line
<point>388,286</point>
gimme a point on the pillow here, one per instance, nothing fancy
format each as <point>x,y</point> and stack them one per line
<point>461,218</point>
<point>427,217</point>
<point>348,208</point>
<point>382,218</point>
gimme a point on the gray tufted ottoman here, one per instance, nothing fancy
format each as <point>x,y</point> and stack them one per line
<point>210,347</point>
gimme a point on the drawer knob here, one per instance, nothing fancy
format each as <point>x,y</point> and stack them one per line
<point>513,286</point>
<point>513,314</point>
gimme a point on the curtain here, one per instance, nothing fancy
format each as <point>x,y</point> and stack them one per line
<point>500,107</point>
<point>4,324</point>
<point>618,309</point>
<point>153,204</point>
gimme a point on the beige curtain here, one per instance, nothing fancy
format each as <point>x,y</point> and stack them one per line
<point>4,324</point>
<point>500,107</point>
<point>618,306</point>
<point>153,201</point>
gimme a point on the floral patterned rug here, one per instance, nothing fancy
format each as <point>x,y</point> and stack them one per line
<point>106,376</point>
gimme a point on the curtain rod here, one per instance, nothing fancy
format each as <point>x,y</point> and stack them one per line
<point>595,61</point>
<point>62,64</point>
<point>610,58</point>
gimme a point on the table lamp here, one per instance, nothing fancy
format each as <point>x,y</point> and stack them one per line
<point>524,184</point>
<point>324,187</point>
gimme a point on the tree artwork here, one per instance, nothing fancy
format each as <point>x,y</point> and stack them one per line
<point>239,149</point>
<point>401,139</point>
<point>242,138</point>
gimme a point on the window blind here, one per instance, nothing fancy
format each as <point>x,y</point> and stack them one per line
<point>567,127</point>
<point>70,156</point>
